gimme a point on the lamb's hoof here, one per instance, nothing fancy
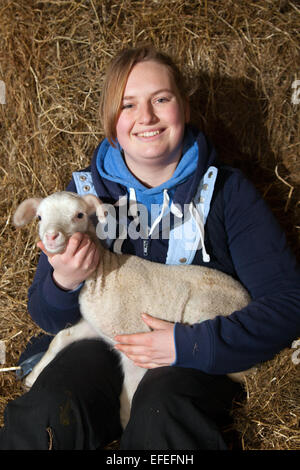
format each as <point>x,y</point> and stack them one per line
<point>29,381</point>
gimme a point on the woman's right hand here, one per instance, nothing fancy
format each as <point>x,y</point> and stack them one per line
<point>76,263</point>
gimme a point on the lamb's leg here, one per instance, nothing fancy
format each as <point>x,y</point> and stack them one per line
<point>65,337</point>
<point>241,376</point>
<point>132,377</point>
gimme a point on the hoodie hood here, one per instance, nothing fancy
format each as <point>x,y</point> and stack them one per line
<point>197,157</point>
<point>111,165</point>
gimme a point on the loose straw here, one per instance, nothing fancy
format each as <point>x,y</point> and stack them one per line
<point>7,369</point>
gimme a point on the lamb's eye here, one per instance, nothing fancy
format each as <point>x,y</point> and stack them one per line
<point>39,217</point>
<point>80,215</point>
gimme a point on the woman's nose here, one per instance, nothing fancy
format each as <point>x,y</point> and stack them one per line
<point>146,114</point>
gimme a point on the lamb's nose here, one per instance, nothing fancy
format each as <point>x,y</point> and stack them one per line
<point>52,236</point>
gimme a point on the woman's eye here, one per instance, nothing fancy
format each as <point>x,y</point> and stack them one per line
<point>162,100</point>
<point>80,215</point>
<point>127,106</point>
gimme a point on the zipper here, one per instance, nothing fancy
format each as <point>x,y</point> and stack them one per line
<point>145,247</point>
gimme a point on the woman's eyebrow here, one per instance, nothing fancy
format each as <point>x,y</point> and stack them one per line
<point>156,92</point>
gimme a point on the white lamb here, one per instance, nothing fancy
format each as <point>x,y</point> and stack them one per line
<point>124,286</point>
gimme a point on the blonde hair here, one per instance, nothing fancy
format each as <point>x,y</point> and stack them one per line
<point>116,78</point>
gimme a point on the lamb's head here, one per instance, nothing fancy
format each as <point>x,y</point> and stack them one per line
<point>60,215</point>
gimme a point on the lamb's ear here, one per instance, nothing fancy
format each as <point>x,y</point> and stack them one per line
<point>95,206</point>
<point>26,211</point>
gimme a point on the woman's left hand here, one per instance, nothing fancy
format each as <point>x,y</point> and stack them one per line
<point>149,350</point>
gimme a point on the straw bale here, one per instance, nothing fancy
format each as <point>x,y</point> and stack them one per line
<point>241,60</point>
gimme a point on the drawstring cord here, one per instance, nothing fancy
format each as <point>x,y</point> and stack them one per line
<point>194,212</point>
<point>165,205</point>
<point>133,207</point>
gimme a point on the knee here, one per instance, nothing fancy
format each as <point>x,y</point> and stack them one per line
<point>157,388</point>
<point>167,387</point>
<point>98,364</point>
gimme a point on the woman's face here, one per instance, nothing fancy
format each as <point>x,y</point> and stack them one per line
<point>151,124</point>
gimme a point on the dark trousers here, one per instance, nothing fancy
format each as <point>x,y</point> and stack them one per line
<point>74,404</point>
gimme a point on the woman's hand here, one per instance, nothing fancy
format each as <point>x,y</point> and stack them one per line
<point>76,263</point>
<point>149,350</point>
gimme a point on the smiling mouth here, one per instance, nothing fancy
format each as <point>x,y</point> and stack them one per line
<point>148,134</point>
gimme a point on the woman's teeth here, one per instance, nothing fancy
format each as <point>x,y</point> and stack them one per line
<point>148,134</point>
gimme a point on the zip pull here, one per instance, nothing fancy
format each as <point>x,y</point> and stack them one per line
<point>145,247</point>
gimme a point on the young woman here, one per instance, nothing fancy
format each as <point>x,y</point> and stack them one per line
<point>153,158</point>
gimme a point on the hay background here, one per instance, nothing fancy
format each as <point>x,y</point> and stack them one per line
<point>241,59</point>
